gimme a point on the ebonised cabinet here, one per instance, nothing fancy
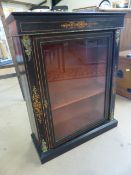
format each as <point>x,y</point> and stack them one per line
<point>67,64</point>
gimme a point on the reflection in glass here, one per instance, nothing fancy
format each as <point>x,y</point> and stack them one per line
<point>76,72</point>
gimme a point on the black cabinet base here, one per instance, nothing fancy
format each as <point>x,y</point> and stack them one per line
<point>46,156</point>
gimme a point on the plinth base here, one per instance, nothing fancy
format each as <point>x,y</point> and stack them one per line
<point>46,156</point>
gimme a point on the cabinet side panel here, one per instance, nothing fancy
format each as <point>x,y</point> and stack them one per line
<point>23,78</point>
<point>13,28</point>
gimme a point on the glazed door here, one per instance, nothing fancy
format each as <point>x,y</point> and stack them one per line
<point>77,70</point>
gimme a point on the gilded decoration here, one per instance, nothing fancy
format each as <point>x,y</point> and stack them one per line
<point>77,24</point>
<point>27,45</point>
<point>44,147</point>
<point>38,112</point>
<point>37,104</point>
<point>111,116</point>
<point>117,36</point>
<point>45,104</point>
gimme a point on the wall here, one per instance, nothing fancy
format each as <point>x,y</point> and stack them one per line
<point>74,4</point>
<point>8,8</point>
<point>11,7</point>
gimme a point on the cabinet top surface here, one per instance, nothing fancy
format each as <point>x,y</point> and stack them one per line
<point>15,15</point>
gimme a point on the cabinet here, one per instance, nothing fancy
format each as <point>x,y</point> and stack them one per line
<point>125,39</point>
<point>124,74</point>
<point>67,63</point>
<point>124,67</point>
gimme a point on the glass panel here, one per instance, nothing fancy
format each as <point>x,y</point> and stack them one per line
<point>76,71</point>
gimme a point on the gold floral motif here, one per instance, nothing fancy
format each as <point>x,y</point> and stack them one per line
<point>27,45</point>
<point>38,110</point>
<point>37,104</point>
<point>77,24</point>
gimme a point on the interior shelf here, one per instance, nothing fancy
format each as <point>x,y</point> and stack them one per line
<point>78,115</point>
<point>67,92</point>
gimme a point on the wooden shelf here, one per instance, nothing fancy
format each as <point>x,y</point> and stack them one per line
<point>77,100</point>
<point>67,92</point>
<point>78,115</point>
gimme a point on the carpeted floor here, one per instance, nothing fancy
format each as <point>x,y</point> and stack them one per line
<point>107,154</point>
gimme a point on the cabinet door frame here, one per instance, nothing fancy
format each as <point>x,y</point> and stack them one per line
<point>40,40</point>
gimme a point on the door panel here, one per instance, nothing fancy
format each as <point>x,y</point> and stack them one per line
<point>76,74</point>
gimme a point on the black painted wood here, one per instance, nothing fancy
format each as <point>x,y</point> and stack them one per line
<point>36,23</point>
<point>42,28</point>
<point>45,157</point>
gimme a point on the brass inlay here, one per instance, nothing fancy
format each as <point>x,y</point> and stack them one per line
<point>45,104</point>
<point>111,116</point>
<point>43,146</point>
<point>27,45</point>
<point>38,113</point>
<point>37,104</point>
<point>77,24</point>
<point>117,37</point>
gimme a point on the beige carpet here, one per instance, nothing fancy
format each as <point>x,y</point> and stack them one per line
<point>108,154</point>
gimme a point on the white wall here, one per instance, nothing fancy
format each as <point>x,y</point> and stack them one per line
<point>8,8</point>
<point>11,7</point>
<point>74,4</point>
